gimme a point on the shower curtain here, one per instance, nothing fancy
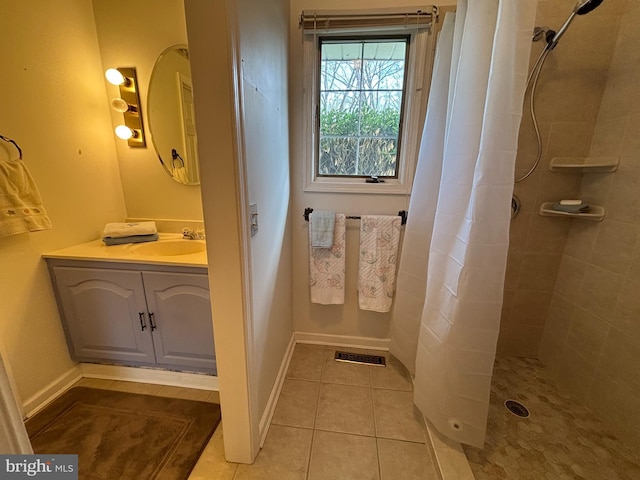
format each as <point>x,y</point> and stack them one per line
<point>446,316</point>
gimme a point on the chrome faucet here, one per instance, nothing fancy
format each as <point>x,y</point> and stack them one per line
<point>192,234</point>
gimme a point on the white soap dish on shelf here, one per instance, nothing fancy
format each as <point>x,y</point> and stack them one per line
<point>595,213</point>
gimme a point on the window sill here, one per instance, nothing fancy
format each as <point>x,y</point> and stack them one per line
<point>390,187</point>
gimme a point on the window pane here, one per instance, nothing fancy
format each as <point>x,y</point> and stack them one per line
<point>341,66</point>
<point>361,95</point>
<point>380,113</point>
<point>338,156</point>
<point>336,75</point>
<point>383,66</point>
<point>339,113</point>
<point>377,156</point>
<point>341,50</point>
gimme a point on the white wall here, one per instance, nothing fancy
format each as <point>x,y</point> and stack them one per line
<point>247,127</point>
<point>54,106</point>
<point>345,319</point>
<point>263,34</point>
<point>132,33</point>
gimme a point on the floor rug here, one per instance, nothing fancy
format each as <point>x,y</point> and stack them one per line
<point>119,435</point>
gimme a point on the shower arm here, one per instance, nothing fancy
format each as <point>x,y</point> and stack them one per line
<point>556,38</point>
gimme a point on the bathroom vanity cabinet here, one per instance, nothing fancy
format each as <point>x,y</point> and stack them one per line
<point>136,314</point>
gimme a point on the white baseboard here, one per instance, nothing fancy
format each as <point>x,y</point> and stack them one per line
<point>343,340</point>
<point>115,372</point>
<point>265,421</point>
<point>149,375</point>
<point>49,393</point>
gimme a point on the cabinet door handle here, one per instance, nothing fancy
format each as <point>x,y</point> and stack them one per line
<point>143,324</point>
<point>153,325</point>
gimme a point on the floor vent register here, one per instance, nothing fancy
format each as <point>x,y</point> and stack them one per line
<point>377,360</point>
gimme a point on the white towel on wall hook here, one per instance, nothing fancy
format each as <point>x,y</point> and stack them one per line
<point>21,208</point>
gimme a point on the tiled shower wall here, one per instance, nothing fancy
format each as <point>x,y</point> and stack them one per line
<point>591,340</point>
<point>568,99</point>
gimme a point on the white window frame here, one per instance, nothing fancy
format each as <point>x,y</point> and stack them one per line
<point>420,62</point>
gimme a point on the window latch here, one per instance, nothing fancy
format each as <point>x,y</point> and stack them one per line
<point>374,179</point>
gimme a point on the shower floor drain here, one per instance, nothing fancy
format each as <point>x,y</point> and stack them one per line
<point>377,360</point>
<point>516,408</point>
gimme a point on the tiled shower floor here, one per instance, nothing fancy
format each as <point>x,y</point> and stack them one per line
<point>560,439</point>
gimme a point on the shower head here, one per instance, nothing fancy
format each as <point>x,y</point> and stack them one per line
<point>585,6</point>
<point>582,7</point>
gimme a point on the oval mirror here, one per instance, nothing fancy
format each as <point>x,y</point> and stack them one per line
<point>171,115</point>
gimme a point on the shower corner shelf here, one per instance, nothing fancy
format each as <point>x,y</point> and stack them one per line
<point>584,164</point>
<point>596,212</point>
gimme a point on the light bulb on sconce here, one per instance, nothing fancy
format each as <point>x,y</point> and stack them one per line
<point>115,77</point>
<point>119,105</point>
<point>125,133</point>
<point>128,104</point>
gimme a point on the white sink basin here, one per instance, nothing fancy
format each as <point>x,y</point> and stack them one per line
<point>170,248</point>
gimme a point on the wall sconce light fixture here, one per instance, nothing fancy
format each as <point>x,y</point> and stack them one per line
<point>128,104</point>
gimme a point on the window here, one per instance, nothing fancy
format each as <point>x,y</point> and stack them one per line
<point>361,94</point>
<point>366,83</point>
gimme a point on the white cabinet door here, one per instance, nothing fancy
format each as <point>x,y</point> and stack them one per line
<point>105,314</point>
<point>180,307</point>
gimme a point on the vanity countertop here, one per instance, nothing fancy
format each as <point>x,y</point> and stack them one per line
<point>128,253</point>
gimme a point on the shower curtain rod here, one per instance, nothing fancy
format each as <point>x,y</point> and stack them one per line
<point>402,214</point>
<point>312,21</point>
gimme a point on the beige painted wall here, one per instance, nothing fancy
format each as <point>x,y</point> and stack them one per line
<point>54,106</point>
<point>132,33</point>
<point>591,341</point>
<point>345,319</point>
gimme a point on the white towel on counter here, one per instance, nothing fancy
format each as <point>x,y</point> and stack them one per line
<point>327,267</point>
<point>118,230</point>
<point>322,223</point>
<point>21,208</point>
<point>379,239</point>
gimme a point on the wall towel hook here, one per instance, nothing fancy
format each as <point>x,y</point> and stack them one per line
<point>7,139</point>
<point>176,156</point>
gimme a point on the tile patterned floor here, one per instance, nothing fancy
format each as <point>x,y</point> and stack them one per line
<point>560,440</point>
<point>335,420</point>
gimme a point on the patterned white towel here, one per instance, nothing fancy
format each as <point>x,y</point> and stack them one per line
<point>327,266</point>
<point>379,239</point>
<point>21,208</point>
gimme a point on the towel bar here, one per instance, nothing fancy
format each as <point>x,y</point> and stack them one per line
<point>402,214</point>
